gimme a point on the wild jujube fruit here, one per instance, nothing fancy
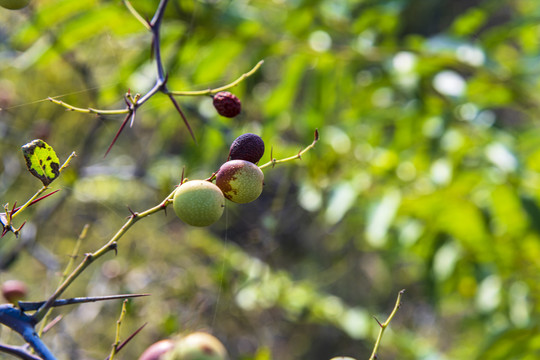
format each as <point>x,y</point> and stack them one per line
<point>14,4</point>
<point>249,147</point>
<point>227,104</point>
<point>157,350</point>
<point>197,346</point>
<point>240,181</point>
<point>14,290</point>
<point>198,202</point>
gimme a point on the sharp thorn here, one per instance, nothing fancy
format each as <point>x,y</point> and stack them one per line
<point>118,133</point>
<point>175,103</point>
<point>378,322</point>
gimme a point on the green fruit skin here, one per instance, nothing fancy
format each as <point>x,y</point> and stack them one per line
<point>241,181</point>
<point>14,4</point>
<point>198,203</point>
<point>198,346</point>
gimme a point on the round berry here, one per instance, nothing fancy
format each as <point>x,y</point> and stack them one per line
<point>198,346</point>
<point>227,104</point>
<point>198,202</point>
<point>14,4</point>
<point>157,350</point>
<point>249,147</point>
<point>241,181</point>
<point>14,290</point>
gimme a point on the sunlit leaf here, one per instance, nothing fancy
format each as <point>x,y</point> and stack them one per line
<point>41,161</point>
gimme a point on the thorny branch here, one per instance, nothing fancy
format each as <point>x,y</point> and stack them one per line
<point>154,26</point>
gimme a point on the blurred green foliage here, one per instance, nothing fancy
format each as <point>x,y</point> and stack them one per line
<point>426,177</point>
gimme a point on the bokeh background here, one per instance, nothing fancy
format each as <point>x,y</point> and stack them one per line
<point>426,177</point>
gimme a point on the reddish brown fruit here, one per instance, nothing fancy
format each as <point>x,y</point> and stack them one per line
<point>241,181</point>
<point>227,104</point>
<point>157,350</point>
<point>14,290</point>
<point>249,147</point>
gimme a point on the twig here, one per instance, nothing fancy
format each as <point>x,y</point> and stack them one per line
<point>118,325</point>
<point>88,110</point>
<point>69,265</point>
<point>273,162</point>
<point>18,351</point>
<point>154,26</point>
<point>129,338</point>
<point>222,88</point>
<point>384,325</point>
<point>44,188</point>
<point>136,14</point>
<point>23,324</point>
<point>91,257</point>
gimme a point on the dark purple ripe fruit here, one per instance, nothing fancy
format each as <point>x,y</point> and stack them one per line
<point>249,147</point>
<point>227,104</point>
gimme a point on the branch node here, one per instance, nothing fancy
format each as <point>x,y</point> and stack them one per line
<point>16,231</point>
<point>133,215</point>
<point>114,246</point>
<point>378,322</point>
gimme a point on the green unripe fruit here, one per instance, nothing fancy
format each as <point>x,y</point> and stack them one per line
<point>157,350</point>
<point>198,202</point>
<point>241,181</point>
<point>14,4</point>
<point>197,346</point>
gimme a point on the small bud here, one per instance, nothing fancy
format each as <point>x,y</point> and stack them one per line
<point>227,104</point>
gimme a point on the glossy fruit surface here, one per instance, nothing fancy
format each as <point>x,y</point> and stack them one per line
<point>14,4</point>
<point>157,350</point>
<point>227,104</point>
<point>198,346</point>
<point>241,181</point>
<point>14,290</point>
<point>198,202</point>
<point>249,147</point>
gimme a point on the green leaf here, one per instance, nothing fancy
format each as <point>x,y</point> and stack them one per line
<point>41,161</point>
<point>513,344</point>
